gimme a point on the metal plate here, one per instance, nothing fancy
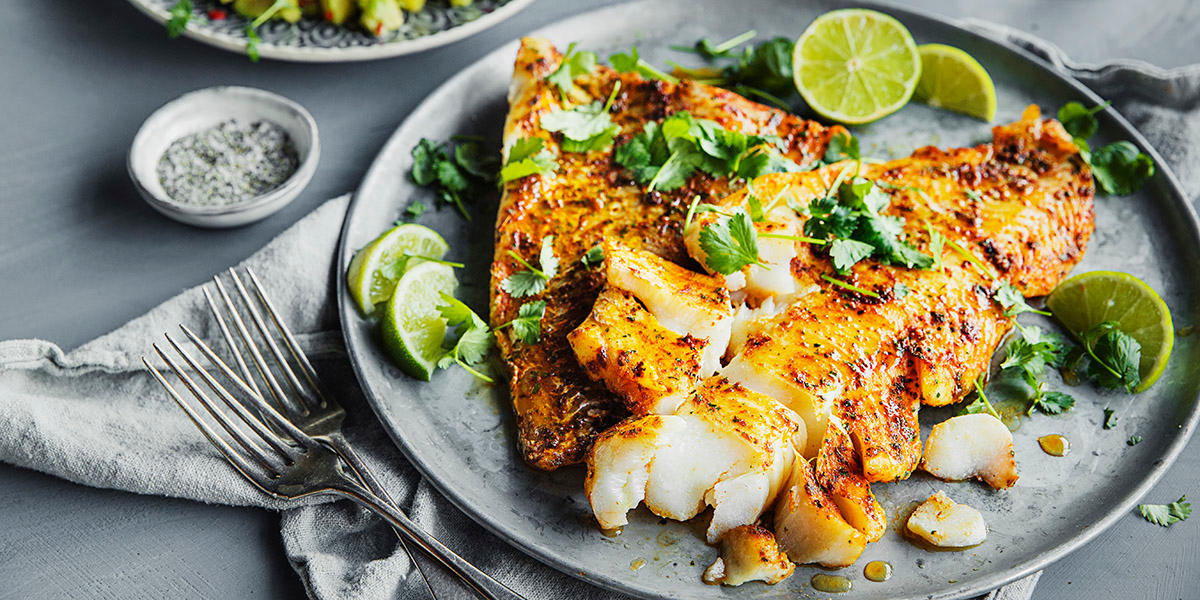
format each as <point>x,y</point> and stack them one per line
<point>314,40</point>
<point>461,435</point>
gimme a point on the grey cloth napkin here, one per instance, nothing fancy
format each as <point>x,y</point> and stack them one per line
<point>93,416</point>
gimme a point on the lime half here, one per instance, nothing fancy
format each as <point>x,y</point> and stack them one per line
<point>374,270</point>
<point>856,65</point>
<point>1086,300</point>
<point>413,328</point>
<point>953,80</point>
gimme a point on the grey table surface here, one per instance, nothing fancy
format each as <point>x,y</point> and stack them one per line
<point>81,254</point>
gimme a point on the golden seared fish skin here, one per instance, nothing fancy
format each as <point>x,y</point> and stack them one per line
<point>559,409</point>
<point>1018,210</point>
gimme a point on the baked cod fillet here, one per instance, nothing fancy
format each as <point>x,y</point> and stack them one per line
<point>559,410</point>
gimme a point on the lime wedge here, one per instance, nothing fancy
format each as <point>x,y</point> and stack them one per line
<point>856,65</point>
<point>1086,300</point>
<point>413,328</point>
<point>374,270</point>
<point>953,80</point>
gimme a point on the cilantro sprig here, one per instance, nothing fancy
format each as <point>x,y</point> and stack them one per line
<point>707,49</point>
<point>1114,356</point>
<point>532,280</point>
<point>664,155</point>
<point>593,257</point>
<point>980,404</point>
<point>180,14</point>
<point>764,70</point>
<point>252,38</point>
<point>473,341</point>
<point>453,175</point>
<point>631,62</point>
<point>573,65</point>
<point>586,127</point>
<point>528,324</point>
<point>1119,168</point>
<point>528,156</point>
<point>1166,515</point>
<point>1028,356</point>
<point>849,218</point>
<point>729,243</point>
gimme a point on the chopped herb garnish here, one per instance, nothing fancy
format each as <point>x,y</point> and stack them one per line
<point>252,39</point>
<point>900,290</point>
<point>593,257</point>
<point>474,337</point>
<point>585,127</point>
<point>452,179</point>
<point>848,218</point>
<point>1114,356</point>
<point>632,63</point>
<point>573,65</point>
<point>528,324</point>
<point>1134,440</point>
<point>849,286</point>
<point>1110,418</point>
<point>532,280</point>
<point>1078,120</point>
<point>1120,168</point>
<point>414,209</point>
<point>528,156</point>
<point>981,403</point>
<point>180,14</point>
<point>842,146</point>
<point>1166,515</point>
<point>664,155</point>
<point>1012,301</point>
<point>709,50</point>
<point>729,243</point>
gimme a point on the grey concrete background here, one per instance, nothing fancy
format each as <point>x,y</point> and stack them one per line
<point>80,254</point>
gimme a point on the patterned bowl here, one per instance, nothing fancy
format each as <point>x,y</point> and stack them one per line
<point>312,40</point>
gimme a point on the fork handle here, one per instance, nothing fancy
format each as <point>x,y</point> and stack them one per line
<point>482,583</point>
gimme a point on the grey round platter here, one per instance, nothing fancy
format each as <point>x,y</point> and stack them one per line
<point>314,40</point>
<point>460,434</point>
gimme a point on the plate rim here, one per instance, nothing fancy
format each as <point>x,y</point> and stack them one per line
<point>305,54</point>
<point>983,585</point>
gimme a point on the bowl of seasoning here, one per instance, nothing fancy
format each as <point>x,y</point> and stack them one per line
<point>224,156</point>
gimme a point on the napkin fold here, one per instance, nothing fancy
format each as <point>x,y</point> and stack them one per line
<point>95,417</point>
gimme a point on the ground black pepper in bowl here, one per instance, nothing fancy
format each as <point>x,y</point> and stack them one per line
<point>228,163</point>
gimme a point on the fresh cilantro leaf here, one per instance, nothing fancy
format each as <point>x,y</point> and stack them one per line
<point>426,156</point>
<point>1166,515</point>
<point>632,63</point>
<point>1110,418</point>
<point>593,257</point>
<point>450,176</point>
<point>842,146</point>
<point>1013,301</point>
<point>937,246</point>
<point>528,324</point>
<point>766,67</point>
<point>754,207</point>
<point>528,156</point>
<point>1078,120</point>
<point>980,404</point>
<point>974,195</point>
<point>474,338</point>
<point>900,290</point>
<point>729,243</point>
<point>415,209</point>
<point>573,65</point>
<point>680,165</point>
<point>471,157</point>
<point>587,127</point>
<point>846,253</point>
<point>1120,168</point>
<point>1115,356</point>
<point>523,283</point>
<point>1134,440</point>
<point>1053,403</point>
<point>1035,350</point>
<point>763,160</point>
<point>885,234</point>
<point>180,14</point>
<point>532,280</point>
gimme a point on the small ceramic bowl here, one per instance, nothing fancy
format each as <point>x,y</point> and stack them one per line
<point>201,109</point>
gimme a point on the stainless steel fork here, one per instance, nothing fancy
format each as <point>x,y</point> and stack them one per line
<point>275,454</point>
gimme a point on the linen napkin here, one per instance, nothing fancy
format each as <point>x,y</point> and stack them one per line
<point>93,416</point>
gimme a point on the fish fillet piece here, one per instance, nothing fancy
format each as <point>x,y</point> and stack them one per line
<point>559,409</point>
<point>946,523</point>
<point>749,553</point>
<point>682,300</point>
<point>726,447</point>
<point>622,345</point>
<point>975,446</point>
<point>809,526</point>
<point>1015,211</point>
<point>837,471</point>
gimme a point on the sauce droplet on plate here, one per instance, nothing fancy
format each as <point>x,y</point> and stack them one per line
<point>637,564</point>
<point>878,571</point>
<point>831,584</point>
<point>1054,444</point>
